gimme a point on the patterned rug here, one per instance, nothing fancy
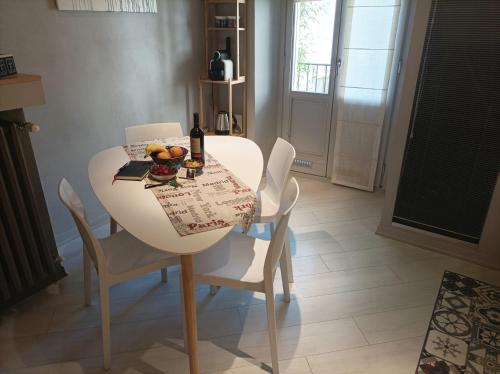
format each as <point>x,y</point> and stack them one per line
<point>464,332</point>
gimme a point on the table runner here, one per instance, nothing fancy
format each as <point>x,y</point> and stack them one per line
<point>213,200</point>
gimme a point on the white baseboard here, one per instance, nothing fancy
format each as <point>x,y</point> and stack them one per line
<point>309,176</point>
<point>438,243</point>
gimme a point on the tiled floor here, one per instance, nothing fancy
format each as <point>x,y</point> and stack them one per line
<point>361,304</point>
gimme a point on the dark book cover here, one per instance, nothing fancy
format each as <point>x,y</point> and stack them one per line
<point>134,170</point>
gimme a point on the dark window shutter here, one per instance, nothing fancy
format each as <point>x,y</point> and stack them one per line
<point>452,156</point>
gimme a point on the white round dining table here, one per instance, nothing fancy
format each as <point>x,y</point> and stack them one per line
<point>138,211</point>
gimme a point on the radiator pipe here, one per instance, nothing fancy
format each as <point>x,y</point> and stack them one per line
<point>31,127</point>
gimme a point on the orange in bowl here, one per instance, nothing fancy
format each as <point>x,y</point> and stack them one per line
<point>176,151</point>
<point>164,155</point>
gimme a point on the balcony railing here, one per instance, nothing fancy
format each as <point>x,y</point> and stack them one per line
<point>314,78</point>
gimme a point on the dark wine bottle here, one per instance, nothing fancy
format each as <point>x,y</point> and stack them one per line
<point>196,137</point>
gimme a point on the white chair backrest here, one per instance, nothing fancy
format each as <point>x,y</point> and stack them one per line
<point>288,201</point>
<point>72,201</point>
<point>278,168</point>
<point>151,131</point>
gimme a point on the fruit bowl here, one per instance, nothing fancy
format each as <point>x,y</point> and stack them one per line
<point>171,156</point>
<point>161,172</point>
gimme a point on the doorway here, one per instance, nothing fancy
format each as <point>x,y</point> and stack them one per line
<point>340,63</point>
<point>310,52</point>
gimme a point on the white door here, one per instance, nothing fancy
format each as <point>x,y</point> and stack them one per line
<point>367,50</point>
<point>310,55</point>
<point>340,57</point>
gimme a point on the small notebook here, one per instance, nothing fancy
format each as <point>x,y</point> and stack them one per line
<point>134,170</point>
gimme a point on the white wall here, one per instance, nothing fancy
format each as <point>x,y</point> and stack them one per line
<point>101,72</point>
<point>266,68</point>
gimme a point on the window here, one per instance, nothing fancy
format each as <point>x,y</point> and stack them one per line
<point>313,40</point>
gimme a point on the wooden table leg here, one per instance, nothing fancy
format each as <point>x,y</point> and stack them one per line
<point>190,312</point>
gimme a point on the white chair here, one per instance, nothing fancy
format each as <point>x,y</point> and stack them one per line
<point>151,131</point>
<point>248,263</point>
<point>269,198</point>
<point>278,168</point>
<point>117,258</point>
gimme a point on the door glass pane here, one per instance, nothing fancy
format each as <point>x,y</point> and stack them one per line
<point>312,50</point>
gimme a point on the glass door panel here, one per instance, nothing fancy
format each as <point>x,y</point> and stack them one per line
<point>313,30</point>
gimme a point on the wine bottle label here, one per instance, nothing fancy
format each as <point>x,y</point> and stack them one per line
<point>195,147</point>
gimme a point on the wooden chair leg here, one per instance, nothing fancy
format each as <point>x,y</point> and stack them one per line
<point>113,226</point>
<point>164,275</point>
<point>288,256</point>
<point>284,278</point>
<point>87,277</point>
<point>271,327</point>
<point>105,324</point>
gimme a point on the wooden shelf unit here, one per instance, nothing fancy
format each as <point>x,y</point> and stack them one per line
<point>225,1</point>
<point>233,82</point>
<point>226,29</point>
<point>237,56</point>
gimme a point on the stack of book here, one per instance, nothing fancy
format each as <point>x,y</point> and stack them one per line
<point>7,65</point>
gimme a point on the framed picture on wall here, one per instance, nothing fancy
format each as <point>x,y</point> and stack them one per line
<point>135,6</point>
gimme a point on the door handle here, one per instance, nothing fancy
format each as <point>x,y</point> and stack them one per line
<point>337,67</point>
